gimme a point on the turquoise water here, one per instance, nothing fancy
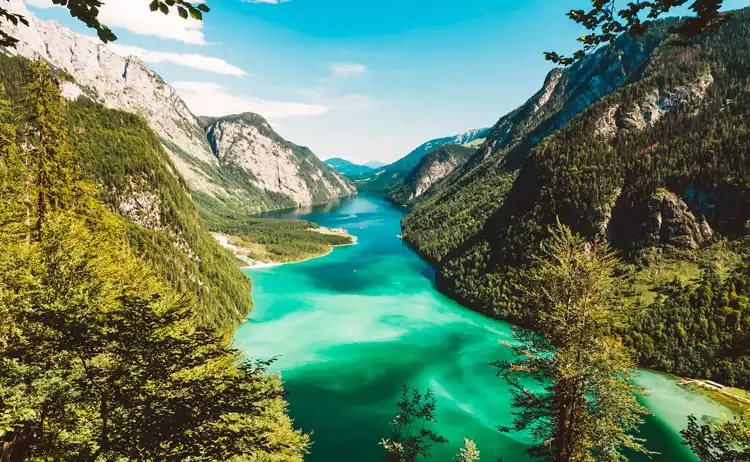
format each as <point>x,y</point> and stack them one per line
<point>351,327</point>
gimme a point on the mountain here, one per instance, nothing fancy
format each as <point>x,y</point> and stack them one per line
<point>643,143</point>
<point>137,180</point>
<point>275,172</point>
<point>347,168</point>
<point>432,168</point>
<point>375,164</point>
<point>383,178</point>
<point>220,185</point>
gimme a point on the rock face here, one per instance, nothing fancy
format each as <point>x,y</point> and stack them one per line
<point>247,142</point>
<point>651,107</point>
<point>432,168</point>
<point>118,82</point>
<point>384,178</point>
<point>126,83</point>
<point>671,222</point>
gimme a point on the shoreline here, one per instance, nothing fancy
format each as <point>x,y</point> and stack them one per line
<point>248,263</point>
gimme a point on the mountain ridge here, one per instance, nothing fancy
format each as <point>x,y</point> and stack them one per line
<point>586,149</point>
<point>127,83</point>
<point>383,178</point>
<point>346,167</point>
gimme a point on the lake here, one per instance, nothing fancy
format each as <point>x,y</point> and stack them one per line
<point>351,327</point>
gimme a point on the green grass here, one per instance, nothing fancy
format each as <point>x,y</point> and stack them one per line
<point>661,267</point>
<point>283,241</point>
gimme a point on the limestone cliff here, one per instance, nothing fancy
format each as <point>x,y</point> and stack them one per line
<point>126,83</point>
<point>432,168</point>
<point>247,142</point>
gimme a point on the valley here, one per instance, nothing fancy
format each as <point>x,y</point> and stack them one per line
<point>351,327</point>
<point>179,281</point>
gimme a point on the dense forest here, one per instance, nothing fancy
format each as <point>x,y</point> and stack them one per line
<point>433,167</point>
<point>658,164</point>
<point>277,240</point>
<point>135,177</point>
<point>102,357</point>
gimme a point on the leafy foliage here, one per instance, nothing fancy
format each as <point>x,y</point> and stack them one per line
<point>101,359</point>
<point>728,442</point>
<point>605,22</point>
<point>87,11</point>
<point>411,436</point>
<point>587,410</point>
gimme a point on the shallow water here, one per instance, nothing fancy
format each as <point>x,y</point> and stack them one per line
<point>350,328</point>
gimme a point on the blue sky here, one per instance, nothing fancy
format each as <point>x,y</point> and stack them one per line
<point>353,79</point>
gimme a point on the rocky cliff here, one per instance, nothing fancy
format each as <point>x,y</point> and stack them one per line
<point>432,168</point>
<point>642,143</point>
<point>126,83</point>
<point>383,178</point>
<point>248,143</point>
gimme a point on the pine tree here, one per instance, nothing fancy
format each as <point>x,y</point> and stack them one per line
<point>101,359</point>
<point>587,409</point>
<point>49,150</point>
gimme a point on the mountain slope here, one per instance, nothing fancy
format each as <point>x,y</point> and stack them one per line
<point>278,173</point>
<point>137,180</point>
<point>432,168</point>
<point>383,178</point>
<point>645,144</point>
<point>126,83</point>
<point>346,167</point>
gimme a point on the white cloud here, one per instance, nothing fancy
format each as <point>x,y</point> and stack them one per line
<point>135,16</point>
<point>344,70</point>
<point>345,102</point>
<point>193,60</point>
<point>212,99</point>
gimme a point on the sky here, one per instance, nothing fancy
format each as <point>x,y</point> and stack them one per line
<point>366,81</point>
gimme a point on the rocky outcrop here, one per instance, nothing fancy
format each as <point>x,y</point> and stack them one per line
<point>431,169</point>
<point>118,82</point>
<point>671,222</point>
<point>247,142</point>
<point>385,178</point>
<point>651,108</point>
<point>126,83</point>
<point>565,94</point>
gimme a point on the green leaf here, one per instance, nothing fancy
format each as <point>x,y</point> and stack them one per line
<point>164,8</point>
<point>196,14</point>
<point>182,12</point>
<point>204,8</point>
<point>154,5</point>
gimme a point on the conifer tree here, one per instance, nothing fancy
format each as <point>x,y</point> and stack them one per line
<point>586,409</point>
<point>49,150</point>
<point>101,359</point>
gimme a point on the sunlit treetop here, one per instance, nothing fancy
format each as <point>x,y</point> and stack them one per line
<point>87,11</point>
<point>605,22</point>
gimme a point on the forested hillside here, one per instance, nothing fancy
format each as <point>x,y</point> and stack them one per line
<point>136,179</point>
<point>382,179</point>
<point>102,358</point>
<point>431,168</point>
<point>657,158</point>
